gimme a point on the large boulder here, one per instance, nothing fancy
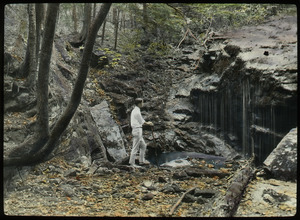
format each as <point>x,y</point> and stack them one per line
<point>282,162</point>
<point>109,131</point>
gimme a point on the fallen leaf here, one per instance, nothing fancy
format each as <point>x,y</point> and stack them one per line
<point>210,166</point>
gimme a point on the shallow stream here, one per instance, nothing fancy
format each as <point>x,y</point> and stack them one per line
<point>166,157</point>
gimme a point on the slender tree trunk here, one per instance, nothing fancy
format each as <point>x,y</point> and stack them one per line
<point>74,102</point>
<point>94,10</point>
<point>30,60</point>
<point>116,13</point>
<point>145,16</point>
<point>86,21</point>
<point>43,74</point>
<point>27,64</point>
<point>103,31</point>
<point>124,20</point>
<point>39,17</point>
<point>74,17</point>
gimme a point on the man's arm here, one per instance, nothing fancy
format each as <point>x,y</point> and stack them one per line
<point>149,123</point>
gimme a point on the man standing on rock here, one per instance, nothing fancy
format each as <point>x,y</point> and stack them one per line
<point>136,122</point>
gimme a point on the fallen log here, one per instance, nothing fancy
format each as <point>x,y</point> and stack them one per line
<point>230,203</point>
<point>196,172</point>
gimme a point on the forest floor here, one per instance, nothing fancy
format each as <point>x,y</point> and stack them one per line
<point>56,188</point>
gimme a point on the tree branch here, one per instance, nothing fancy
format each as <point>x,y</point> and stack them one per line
<point>179,201</point>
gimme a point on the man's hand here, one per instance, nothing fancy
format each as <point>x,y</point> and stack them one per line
<point>149,123</point>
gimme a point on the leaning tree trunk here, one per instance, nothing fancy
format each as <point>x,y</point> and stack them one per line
<point>35,143</point>
<point>74,102</point>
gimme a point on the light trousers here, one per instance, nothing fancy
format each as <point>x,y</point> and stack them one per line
<point>138,144</point>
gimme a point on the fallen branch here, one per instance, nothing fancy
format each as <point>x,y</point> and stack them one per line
<point>179,201</point>
<point>196,172</point>
<point>182,38</point>
<point>230,203</point>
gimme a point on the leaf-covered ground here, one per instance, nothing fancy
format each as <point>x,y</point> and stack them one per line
<point>60,189</point>
<point>56,188</point>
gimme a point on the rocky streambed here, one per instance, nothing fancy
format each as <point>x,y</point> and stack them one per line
<point>57,188</point>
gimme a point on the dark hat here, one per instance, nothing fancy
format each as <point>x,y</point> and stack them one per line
<point>138,100</point>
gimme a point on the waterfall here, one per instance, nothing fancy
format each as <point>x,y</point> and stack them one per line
<point>238,116</point>
<point>245,120</point>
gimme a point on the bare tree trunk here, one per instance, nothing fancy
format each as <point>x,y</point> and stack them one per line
<point>45,149</point>
<point>30,60</point>
<point>103,31</point>
<point>28,64</point>
<point>43,74</point>
<point>86,21</point>
<point>39,17</point>
<point>145,16</point>
<point>116,13</point>
<point>94,10</point>
<point>74,17</point>
<point>74,102</point>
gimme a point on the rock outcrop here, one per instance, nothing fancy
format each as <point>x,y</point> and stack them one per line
<point>282,162</point>
<point>109,131</point>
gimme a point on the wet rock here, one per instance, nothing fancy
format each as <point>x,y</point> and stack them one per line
<point>70,172</point>
<point>98,59</point>
<point>205,193</point>
<point>148,196</point>
<point>129,195</point>
<point>188,198</point>
<point>282,162</point>
<point>23,102</point>
<point>181,175</point>
<point>92,169</point>
<point>67,190</point>
<point>232,50</point>
<point>147,183</point>
<point>55,181</point>
<point>171,188</point>
<point>162,179</point>
<point>273,197</point>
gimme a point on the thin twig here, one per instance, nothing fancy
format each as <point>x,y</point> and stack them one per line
<point>179,200</point>
<point>183,38</point>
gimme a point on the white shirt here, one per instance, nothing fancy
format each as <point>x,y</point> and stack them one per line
<point>136,119</point>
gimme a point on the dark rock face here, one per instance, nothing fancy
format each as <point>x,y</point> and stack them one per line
<point>282,162</point>
<point>242,94</point>
<point>98,60</point>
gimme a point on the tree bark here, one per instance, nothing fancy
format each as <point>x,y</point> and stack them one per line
<point>86,22</point>
<point>39,17</point>
<point>43,74</point>
<point>145,16</point>
<point>74,17</point>
<point>103,31</point>
<point>30,61</point>
<point>74,102</point>
<point>228,205</point>
<point>116,13</point>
